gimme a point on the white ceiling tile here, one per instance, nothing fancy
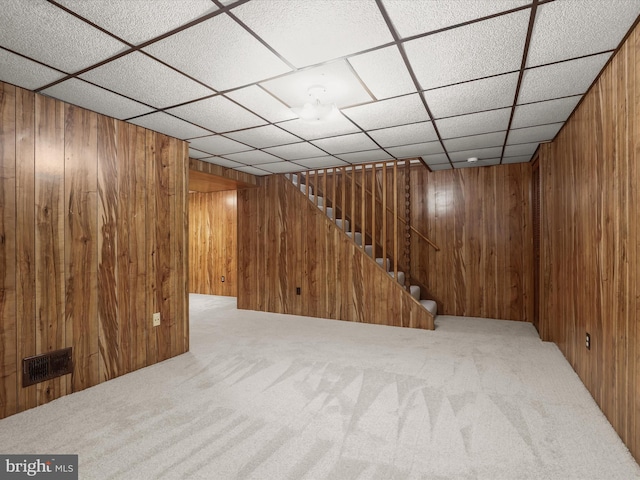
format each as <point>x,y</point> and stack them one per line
<point>97,99</point>
<point>223,162</point>
<point>384,72</point>
<point>172,126</point>
<point>261,137</point>
<point>440,166</point>
<point>139,21</point>
<point>436,159</point>
<point>484,140</point>
<point>296,151</point>
<point>572,28</point>
<point>310,32</point>
<point>388,113</point>
<point>413,18</point>
<point>473,51</point>
<point>541,113</point>
<point>46,33</point>
<point>281,167</point>
<point>252,171</point>
<point>540,133</point>
<point>193,153</point>
<point>146,80</point>
<point>486,94</point>
<point>336,125</point>
<point>218,114</point>
<point>481,153</point>
<point>217,145</point>
<point>25,73</point>
<point>415,150</point>
<point>480,163</point>
<point>261,102</point>
<point>253,157</point>
<point>219,53</point>
<point>522,149</point>
<point>413,133</point>
<point>342,87</point>
<point>560,79</point>
<point>475,123</point>
<point>519,159</point>
<point>321,162</point>
<point>354,142</point>
<point>368,156</point>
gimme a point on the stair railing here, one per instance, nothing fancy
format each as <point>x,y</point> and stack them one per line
<point>324,183</point>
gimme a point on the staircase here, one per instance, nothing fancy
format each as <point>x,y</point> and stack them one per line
<point>344,225</point>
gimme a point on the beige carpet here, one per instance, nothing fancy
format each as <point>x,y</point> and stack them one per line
<point>266,396</point>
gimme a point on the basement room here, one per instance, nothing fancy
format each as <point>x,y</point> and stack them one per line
<point>320,239</point>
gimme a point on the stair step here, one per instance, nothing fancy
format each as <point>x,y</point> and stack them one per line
<point>381,262</point>
<point>415,291</point>
<point>320,200</point>
<point>339,222</point>
<point>357,238</point>
<point>368,249</point>
<point>430,305</point>
<point>329,211</point>
<point>303,189</point>
<point>400,277</point>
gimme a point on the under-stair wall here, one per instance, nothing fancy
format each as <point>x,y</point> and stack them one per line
<point>285,242</point>
<point>479,220</point>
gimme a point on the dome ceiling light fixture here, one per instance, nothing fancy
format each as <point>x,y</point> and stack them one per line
<point>472,159</point>
<point>316,109</point>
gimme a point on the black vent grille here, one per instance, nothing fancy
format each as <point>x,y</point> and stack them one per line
<point>46,366</point>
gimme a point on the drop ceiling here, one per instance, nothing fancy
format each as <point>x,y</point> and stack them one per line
<point>435,80</point>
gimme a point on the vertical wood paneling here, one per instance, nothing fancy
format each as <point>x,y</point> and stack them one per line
<point>25,238</point>
<point>480,219</point>
<point>213,243</point>
<point>151,251</point>
<point>138,248</point>
<point>126,330</point>
<point>49,198</point>
<point>81,245</point>
<point>589,241</point>
<point>340,281</point>
<point>8,216</point>
<point>88,207</point>
<point>164,237</point>
<point>182,250</point>
<point>107,250</point>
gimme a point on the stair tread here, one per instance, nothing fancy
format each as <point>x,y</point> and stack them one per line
<point>431,306</point>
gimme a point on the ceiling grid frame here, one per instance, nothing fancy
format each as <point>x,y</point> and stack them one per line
<point>620,16</point>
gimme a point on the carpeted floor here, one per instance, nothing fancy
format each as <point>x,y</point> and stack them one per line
<point>267,396</point>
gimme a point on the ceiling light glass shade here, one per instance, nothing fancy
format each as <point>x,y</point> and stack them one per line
<point>314,112</point>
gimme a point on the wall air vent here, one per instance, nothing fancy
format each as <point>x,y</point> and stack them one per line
<point>46,366</point>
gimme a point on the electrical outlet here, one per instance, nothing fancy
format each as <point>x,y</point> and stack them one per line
<point>156,319</point>
<point>587,341</point>
<point>222,278</point>
<point>297,290</point>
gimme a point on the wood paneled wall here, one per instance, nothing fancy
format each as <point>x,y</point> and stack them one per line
<point>480,218</point>
<point>93,240</point>
<point>285,242</point>
<point>213,246</point>
<point>590,258</point>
